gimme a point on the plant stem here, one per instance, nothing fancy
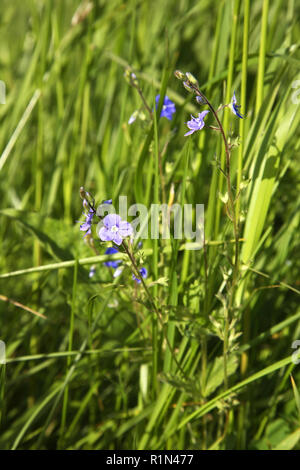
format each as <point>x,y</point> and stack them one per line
<point>139,90</point>
<point>230,206</point>
<point>138,274</point>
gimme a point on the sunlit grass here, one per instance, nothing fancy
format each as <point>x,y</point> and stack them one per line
<point>100,372</point>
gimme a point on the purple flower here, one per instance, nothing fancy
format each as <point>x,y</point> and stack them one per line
<point>235,107</point>
<point>168,108</point>
<point>115,263</point>
<point>143,273</point>
<point>196,124</point>
<point>87,225</point>
<point>200,100</point>
<point>114,229</point>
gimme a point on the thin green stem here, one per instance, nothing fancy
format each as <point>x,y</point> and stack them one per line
<point>69,359</point>
<point>230,207</point>
<point>155,256</point>
<point>152,302</point>
<point>231,200</point>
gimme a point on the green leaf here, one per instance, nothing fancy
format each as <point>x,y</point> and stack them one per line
<point>289,442</point>
<point>215,376</point>
<point>296,395</point>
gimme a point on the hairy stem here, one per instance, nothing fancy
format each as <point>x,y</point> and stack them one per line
<point>138,274</point>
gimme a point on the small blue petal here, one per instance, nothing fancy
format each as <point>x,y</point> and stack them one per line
<point>143,273</point>
<point>235,107</point>
<point>168,108</point>
<point>114,263</point>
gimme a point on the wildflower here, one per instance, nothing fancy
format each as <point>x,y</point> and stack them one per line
<point>114,229</point>
<point>92,271</point>
<point>168,108</point>
<point>200,100</point>
<point>131,78</point>
<point>109,201</point>
<point>235,107</point>
<point>143,273</point>
<point>115,263</point>
<point>87,225</point>
<point>196,124</point>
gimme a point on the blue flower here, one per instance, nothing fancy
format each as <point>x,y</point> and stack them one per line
<point>235,107</point>
<point>168,108</point>
<point>143,273</point>
<point>87,225</point>
<point>200,100</point>
<point>115,263</point>
<point>196,124</point>
<point>114,229</point>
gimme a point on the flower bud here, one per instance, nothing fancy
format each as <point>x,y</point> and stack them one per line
<point>200,100</point>
<point>178,74</point>
<point>187,87</point>
<point>191,79</point>
<point>131,77</point>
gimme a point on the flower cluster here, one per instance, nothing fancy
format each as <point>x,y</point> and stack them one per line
<point>190,83</point>
<point>87,224</point>
<point>111,229</point>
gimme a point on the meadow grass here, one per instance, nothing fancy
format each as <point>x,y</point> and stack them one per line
<point>199,355</point>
